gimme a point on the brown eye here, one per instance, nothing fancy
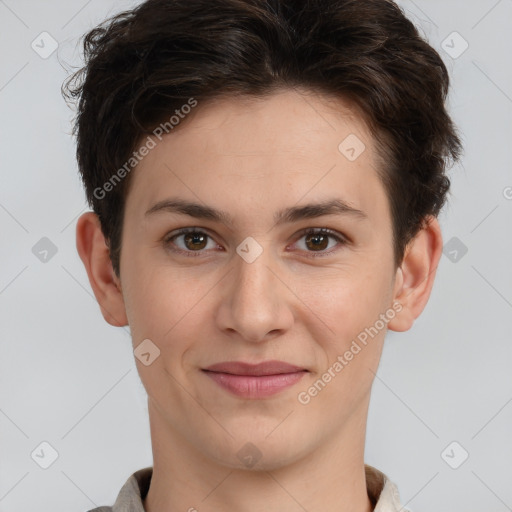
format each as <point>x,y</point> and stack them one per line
<point>195,241</point>
<point>189,240</point>
<point>317,241</point>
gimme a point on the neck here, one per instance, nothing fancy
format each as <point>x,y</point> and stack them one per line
<point>330,478</point>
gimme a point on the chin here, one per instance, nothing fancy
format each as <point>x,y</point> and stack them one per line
<point>253,452</point>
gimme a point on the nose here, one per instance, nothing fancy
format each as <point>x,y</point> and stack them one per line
<point>256,304</point>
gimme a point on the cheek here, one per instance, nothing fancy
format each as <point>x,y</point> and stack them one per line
<point>352,345</point>
<point>347,300</point>
<point>153,302</point>
<point>167,305</point>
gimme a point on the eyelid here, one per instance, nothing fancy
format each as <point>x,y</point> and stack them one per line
<point>339,237</point>
<point>169,237</point>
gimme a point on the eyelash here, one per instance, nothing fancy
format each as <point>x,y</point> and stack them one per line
<point>309,231</point>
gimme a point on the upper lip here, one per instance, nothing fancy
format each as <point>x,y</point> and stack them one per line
<point>264,368</point>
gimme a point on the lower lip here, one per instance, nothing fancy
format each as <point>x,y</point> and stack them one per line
<point>249,386</point>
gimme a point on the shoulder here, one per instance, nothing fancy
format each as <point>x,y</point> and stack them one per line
<point>131,494</point>
<point>382,492</point>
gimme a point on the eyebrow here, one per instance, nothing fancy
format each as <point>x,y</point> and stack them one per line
<point>286,215</point>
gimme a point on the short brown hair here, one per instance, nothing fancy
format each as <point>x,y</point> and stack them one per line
<point>143,64</point>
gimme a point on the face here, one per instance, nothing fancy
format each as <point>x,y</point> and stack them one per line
<point>249,284</point>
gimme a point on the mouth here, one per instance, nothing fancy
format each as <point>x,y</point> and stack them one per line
<point>256,370</point>
<point>255,381</point>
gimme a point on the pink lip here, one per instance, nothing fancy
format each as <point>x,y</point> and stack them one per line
<point>255,381</point>
<point>264,368</point>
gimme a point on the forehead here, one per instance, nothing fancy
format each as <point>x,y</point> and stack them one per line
<point>249,125</point>
<point>277,148</point>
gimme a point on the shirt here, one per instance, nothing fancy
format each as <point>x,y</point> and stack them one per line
<point>382,492</point>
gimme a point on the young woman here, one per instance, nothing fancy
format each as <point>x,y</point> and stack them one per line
<point>265,179</point>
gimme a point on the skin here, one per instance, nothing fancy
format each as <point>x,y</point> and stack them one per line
<point>252,158</point>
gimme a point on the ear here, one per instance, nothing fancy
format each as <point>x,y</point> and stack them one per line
<point>95,256</point>
<point>415,276</point>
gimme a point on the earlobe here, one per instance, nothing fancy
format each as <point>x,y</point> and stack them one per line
<point>94,253</point>
<point>415,277</point>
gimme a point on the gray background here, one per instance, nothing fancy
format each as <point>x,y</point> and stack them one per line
<point>69,378</point>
